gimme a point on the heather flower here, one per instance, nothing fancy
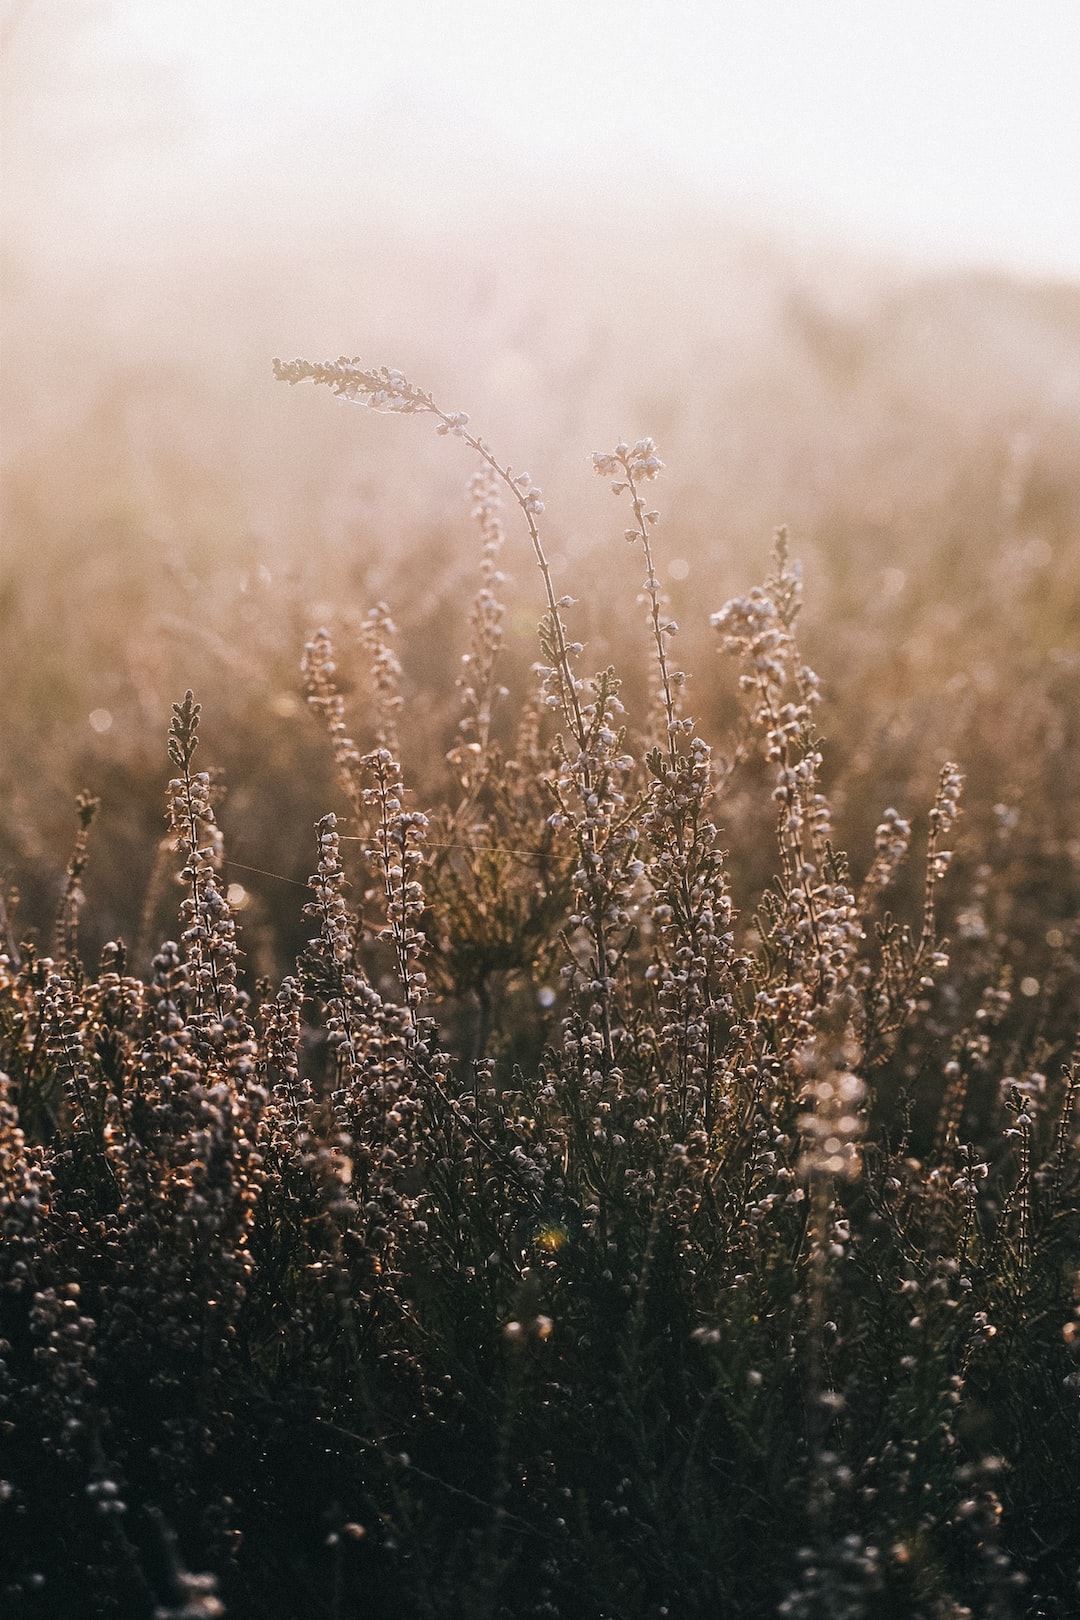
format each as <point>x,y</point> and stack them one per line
<point>479,693</point>
<point>319,670</point>
<point>66,931</point>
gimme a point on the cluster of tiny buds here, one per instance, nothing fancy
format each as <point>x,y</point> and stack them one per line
<point>377,634</point>
<point>529,496</point>
<point>65,1043</point>
<point>398,834</point>
<point>319,670</point>
<point>479,692</point>
<point>751,629</point>
<point>384,389</point>
<point>892,840</point>
<point>628,464</point>
<point>947,803</point>
<point>327,882</point>
<point>209,937</point>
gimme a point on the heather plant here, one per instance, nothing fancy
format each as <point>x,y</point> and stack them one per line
<point>573,1231</point>
<point>913,428</point>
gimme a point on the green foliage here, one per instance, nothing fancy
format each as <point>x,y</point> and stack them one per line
<point>557,1239</point>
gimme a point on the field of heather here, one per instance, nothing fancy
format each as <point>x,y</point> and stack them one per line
<point>540,939</point>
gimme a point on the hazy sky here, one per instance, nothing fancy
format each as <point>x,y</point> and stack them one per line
<point>947,128</point>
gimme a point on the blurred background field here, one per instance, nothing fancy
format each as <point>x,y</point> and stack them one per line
<point>172,517</point>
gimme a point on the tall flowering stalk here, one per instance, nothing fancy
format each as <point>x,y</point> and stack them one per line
<point>589,787</point>
<point>330,958</point>
<point>386,389</point>
<point>391,835</point>
<point>66,930</point>
<point>281,1052</point>
<point>319,669</point>
<point>91,1110</point>
<point>397,853</point>
<point>592,763</point>
<point>210,935</point>
<point>909,963</point>
<point>628,469</point>
<point>689,900</point>
<point>476,684</point>
<point>377,632</point>
<point>812,923</point>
